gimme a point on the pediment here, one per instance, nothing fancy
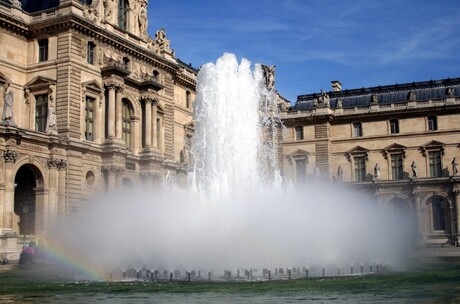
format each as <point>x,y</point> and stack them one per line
<point>394,147</point>
<point>433,144</point>
<point>39,82</point>
<point>358,149</point>
<point>298,152</point>
<point>92,85</point>
<point>4,78</point>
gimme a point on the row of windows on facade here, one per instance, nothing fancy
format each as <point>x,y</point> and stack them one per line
<point>435,164</point>
<point>41,114</point>
<point>358,127</point>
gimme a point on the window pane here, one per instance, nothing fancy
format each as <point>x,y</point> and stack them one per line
<point>41,112</point>
<point>435,164</point>
<point>357,129</point>
<point>301,169</point>
<point>360,168</point>
<point>299,133</point>
<point>396,166</point>
<point>438,206</point>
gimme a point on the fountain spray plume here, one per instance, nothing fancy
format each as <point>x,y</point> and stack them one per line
<point>235,213</point>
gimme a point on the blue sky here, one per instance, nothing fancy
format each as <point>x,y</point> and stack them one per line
<point>361,43</point>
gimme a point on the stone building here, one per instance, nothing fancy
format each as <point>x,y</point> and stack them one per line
<point>90,102</point>
<point>400,143</point>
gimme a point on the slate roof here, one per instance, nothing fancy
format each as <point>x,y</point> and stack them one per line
<point>397,93</point>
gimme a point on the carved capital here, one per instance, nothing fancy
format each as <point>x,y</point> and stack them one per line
<point>57,163</point>
<point>10,156</point>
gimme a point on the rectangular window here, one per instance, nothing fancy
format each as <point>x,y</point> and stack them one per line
<point>41,112</point>
<point>89,118</point>
<point>42,50</point>
<point>435,164</point>
<point>299,133</point>
<point>397,166</point>
<point>357,129</point>
<point>432,123</point>
<point>360,168</point>
<point>90,52</point>
<point>394,126</point>
<point>301,169</point>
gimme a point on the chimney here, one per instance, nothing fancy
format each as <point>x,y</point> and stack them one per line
<point>336,86</point>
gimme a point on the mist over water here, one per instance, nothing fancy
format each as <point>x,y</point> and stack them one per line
<point>235,213</point>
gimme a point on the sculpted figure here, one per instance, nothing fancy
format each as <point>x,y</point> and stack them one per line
<point>8,101</point>
<point>160,39</point>
<point>377,171</point>
<point>414,169</point>
<point>411,96</point>
<point>339,104</point>
<point>323,100</point>
<point>269,76</point>
<point>51,127</point>
<point>143,19</point>
<point>374,99</point>
<point>449,92</point>
<point>454,167</point>
<point>108,8</point>
<point>340,174</point>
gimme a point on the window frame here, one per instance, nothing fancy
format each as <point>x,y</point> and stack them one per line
<point>357,129</point>
<point>439,214</point>
<point>299,133</point>
<point>435,163</point>
<point>123,14</point>
<point>359,167</point>
<point>394,126</point>
<point>41,112</point>
<point>127,123</point>
<point>432,123</point>
<point>90,52</point>
<point>43,50</point>
<point>397,171</point>
<point>89,121</point>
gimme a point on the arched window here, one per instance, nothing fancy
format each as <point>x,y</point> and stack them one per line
<point>123,9</point>
<point>126,123</point>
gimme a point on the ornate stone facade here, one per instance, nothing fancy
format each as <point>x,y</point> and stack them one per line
<point>89,102</point>
<point>399,143</point>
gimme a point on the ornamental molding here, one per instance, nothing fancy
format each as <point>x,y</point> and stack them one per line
<point>10,156</point>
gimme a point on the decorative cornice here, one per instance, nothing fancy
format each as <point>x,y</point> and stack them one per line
<point>112,169</point>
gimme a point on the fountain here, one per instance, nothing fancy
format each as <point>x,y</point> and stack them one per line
<point>237,213</point>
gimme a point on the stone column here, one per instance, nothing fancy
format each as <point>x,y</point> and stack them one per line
<point>148,122</point>
<point>119,114</point>
<point>61,187</point>
<point>420,212</point>
<point>110,172</point>
<point>53,182</point>
<point>154,125</point>
<point>111,114</point>
<point>8,208</point>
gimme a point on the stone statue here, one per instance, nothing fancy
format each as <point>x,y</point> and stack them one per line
<point>323,101</point>
<point>51,127</point>
<point>414,169</point>
<point>8,101</point>
<point>143,19</point>
<point>339,104</point>
<point>340,174</point>
<point>16,3</point>
<point>377,171</point>
<point>160,39</point>
<point>27,96</point>
<point>269,76</point>
<point>374,99</point>
<point>454,167</point>
<point>449,92</point>
<point>108,9</point>
<point>411,96</point>
<point>185,153</point>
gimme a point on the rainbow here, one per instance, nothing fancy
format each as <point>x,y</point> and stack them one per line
<point>70,262</point>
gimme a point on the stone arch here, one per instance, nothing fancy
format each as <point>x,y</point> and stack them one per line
<point>439,217</point>
<point>29,199</point>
